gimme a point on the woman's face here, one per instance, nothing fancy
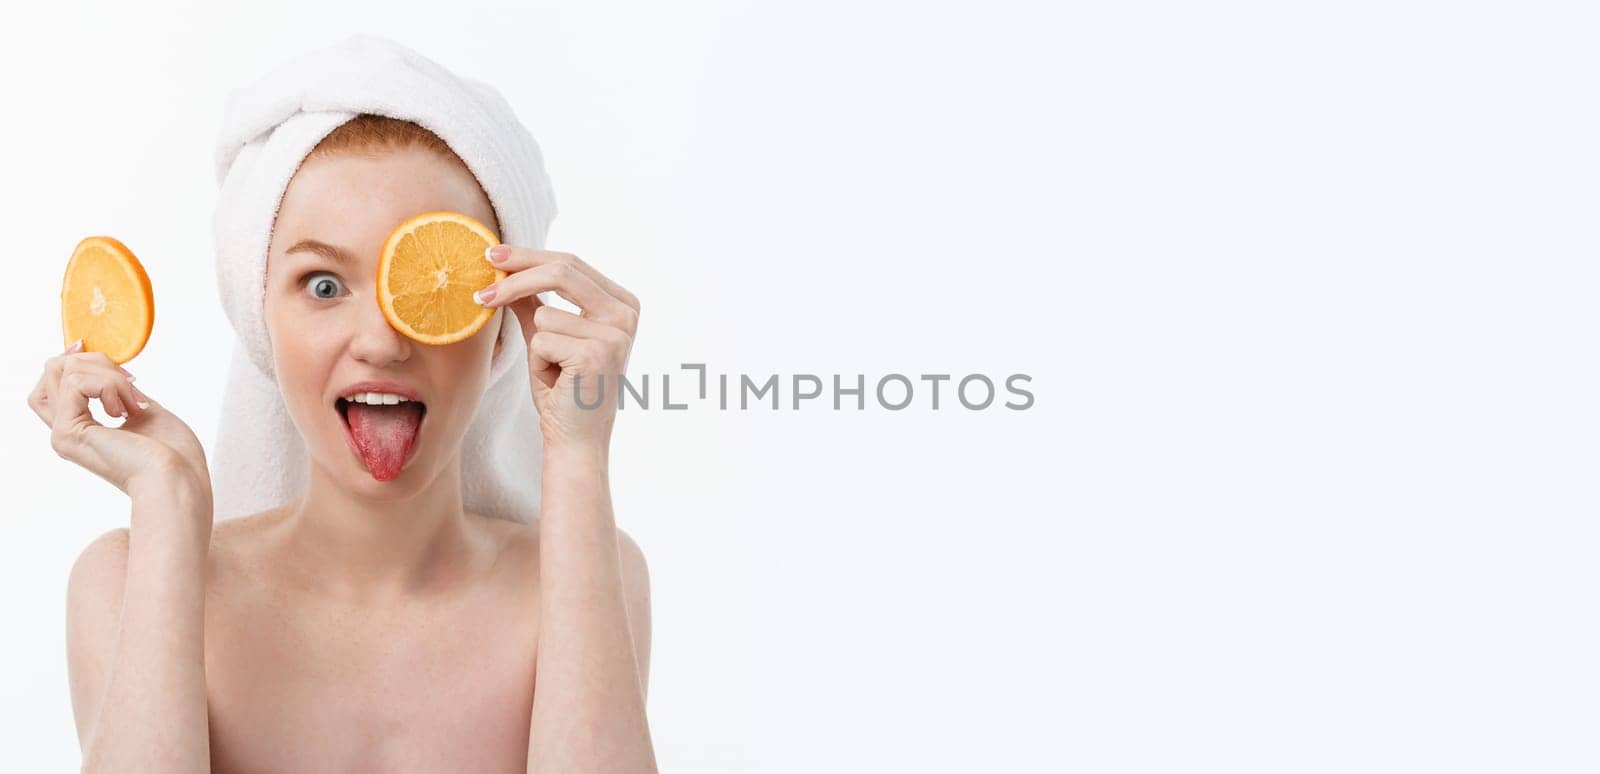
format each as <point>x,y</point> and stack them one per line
<point>323,319</point>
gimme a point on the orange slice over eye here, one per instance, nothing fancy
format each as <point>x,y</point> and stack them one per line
<point>430,266</point>
<point>106,300</point>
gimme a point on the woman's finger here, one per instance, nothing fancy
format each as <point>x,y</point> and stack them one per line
<point>572,283</point>
<point>544,371</point>
<point>103,379</point>
<point>111,398</point>
<point>69,398</point>
<point>39,399</point>
<point>517,258</point>
<point>75,434</point>
<point>122,403</point>
<point>92,381</point>
<point>524,309</point>
<point>549,318</point>
<point>139,398</point>
<point>129,395</point>
<point>557,347</point>
<point>527,310</point>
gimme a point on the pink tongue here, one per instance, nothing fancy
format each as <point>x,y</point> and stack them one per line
<point>384,435</point>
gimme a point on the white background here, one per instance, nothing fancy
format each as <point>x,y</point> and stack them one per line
<point>1307,292</point>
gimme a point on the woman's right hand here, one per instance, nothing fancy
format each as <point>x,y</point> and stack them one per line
<point>153,446</point>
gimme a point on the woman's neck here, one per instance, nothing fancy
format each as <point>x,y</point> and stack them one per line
<point>356,547</point>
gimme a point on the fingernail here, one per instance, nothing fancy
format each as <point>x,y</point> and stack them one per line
<point>76,345</point>
<point>483,297</point>
<point>497,253</point>
<point>144,404</point>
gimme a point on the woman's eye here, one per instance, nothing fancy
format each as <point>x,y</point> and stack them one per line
<point>323,285</point>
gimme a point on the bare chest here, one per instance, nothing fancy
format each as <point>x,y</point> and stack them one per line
<point>330,690</point>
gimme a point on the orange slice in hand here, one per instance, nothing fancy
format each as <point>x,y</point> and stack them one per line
<point>430,267</point>
<point>106,300</point>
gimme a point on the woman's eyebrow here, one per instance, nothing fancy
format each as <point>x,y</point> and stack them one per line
<point>331,252</point>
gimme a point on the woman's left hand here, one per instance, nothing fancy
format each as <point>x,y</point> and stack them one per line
<point>565,348</point>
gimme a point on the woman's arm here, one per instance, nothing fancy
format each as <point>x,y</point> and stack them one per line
<point>590,672</point>
<point>589,703</point>
<point>135,636</point>
<point>136,597</point>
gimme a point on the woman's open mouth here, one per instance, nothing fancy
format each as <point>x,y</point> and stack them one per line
<point>384,436</point>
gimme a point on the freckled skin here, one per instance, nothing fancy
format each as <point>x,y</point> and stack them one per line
<point>320,345</point>
<point>405,651</point>
<point>436,678</point>
<point>366,625</point>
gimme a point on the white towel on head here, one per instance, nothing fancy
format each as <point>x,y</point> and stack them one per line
<point>259,460</point>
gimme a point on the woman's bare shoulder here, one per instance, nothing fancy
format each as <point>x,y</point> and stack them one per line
<point>242,533</point>
<point>241,545</point>
<point>520,542</point>
<point>519,551</point>
<point>97,575</point>
<point>526,536</point>
<point>107,554</point>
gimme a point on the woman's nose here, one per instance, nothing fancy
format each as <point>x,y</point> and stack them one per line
<point>375,341</point>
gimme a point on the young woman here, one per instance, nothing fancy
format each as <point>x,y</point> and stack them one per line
<point>372,625</point>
